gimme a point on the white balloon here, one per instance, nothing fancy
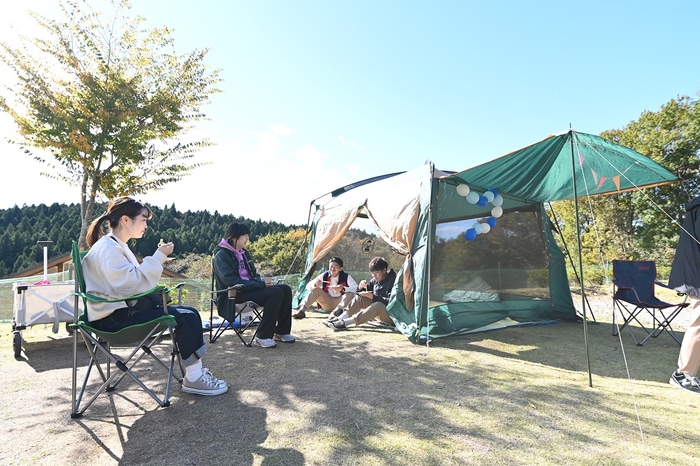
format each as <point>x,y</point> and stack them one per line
<point>497,201</point>
<point>463,189</point>
<point>485,228</point>
<point>488,195</point>
<point>497,211</point>
<point>473,197</point>
<point>479,228</point>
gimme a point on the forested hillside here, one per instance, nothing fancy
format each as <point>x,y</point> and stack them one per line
<point>192,232</point>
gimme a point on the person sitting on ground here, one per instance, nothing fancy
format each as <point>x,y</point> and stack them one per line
<point>233,265</point>
<point>372,299</point>
<point>333,290</point>
<point>111,271</point>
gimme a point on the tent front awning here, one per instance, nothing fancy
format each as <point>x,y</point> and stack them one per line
<point>542,172</point>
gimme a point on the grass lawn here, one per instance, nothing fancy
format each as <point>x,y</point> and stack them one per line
<point>368,397</point>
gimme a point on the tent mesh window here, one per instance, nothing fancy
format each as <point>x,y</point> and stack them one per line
<point>500,275</point>
<point>509,262</point>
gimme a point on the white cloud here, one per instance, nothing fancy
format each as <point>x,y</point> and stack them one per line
<point>353,169</point>
<point>343,140</point>
<point>267,143</point>
<point>283,130</point>
<point>249,174</point>
<point>308,154</point>
<point>259,179</point>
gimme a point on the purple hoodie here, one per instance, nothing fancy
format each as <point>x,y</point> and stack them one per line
<point>242,270</point>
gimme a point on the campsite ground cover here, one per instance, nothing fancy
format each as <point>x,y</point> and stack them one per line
<point>368,396</point>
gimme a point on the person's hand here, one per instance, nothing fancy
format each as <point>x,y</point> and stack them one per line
<point>166,248</point>
<point>362,285</point>
<point>319,282</point>
<point>338,287</point>
<point>366,294</point>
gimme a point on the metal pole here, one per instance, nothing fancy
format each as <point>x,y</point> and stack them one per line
<point>580,259</point>
<point>46,245</point>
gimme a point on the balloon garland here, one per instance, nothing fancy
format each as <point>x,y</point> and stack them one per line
<point>472,197</point>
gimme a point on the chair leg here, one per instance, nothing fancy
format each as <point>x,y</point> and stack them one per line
<point>111,380</point>
<point>660,322</point>
<point>664,324</point>
<point>240,329</point>
<point>629,316</point>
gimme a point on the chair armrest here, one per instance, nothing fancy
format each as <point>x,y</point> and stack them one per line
<point>99,299</point>
<point>619,284</point>
<point>179,288</point>
<point>237,288</point>
<point>678,293</point>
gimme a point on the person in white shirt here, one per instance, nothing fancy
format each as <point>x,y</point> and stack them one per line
<point>333,290</point>
<point>111,271</point>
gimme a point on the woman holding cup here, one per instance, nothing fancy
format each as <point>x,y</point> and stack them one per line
<point>112,271</point>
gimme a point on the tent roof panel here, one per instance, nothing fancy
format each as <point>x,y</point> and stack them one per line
<point>542,172</point>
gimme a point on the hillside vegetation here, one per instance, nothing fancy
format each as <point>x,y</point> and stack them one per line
<point>192,232</point>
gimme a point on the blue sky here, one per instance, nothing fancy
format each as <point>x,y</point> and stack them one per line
<point>318,94</point>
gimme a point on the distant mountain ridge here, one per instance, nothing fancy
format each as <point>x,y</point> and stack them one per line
<point>192,232</point>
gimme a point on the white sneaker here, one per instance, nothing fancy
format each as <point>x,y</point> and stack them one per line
<point>265,342</point>
<point>286,338</point>
<point>206,385</point>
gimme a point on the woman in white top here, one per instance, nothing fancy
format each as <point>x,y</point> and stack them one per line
<point>111,270</point>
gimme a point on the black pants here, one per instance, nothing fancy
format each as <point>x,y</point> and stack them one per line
<point>188,330</point>
<point>277,315</point>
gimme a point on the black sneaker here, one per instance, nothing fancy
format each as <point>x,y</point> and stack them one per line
<point>685,381</point>
<point>337,324</point>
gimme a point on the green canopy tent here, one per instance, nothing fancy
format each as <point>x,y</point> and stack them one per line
<point>513,274</point>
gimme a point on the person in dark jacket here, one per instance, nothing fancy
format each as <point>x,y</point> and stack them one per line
<point>371,301</point>
<point>685,278</point>
<point>233,265</point>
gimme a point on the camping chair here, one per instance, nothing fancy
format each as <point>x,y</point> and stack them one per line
<point>633,293</point>
<point>238,317</point>
<point>99,344</point>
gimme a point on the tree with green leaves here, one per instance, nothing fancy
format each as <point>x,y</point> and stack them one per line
<point>640,224</point>
<point>108,101</point>
<point>671,137</point>
<point>280,253</point>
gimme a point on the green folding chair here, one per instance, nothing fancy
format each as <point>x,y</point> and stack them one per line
<point>99,344</point>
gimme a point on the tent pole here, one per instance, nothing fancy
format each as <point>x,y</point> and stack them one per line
<point>428,256</point>
<point>580,259</point>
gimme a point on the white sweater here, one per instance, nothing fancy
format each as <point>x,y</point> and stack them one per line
<point>112,271</point>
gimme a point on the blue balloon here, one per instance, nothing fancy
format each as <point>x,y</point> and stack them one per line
<point>470,234</point>
<point>491,221</point>
<point>494,191</point>
<point>482,201</point>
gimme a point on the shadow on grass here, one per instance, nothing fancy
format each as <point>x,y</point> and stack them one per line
<point>361,398</point>
<point>563,346</point>
<point>36,353</point>
<point>366,396</point>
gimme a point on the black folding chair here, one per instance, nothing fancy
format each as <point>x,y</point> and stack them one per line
<point>141,337</point>
<point>634,293</point>
<point>241,318</point>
